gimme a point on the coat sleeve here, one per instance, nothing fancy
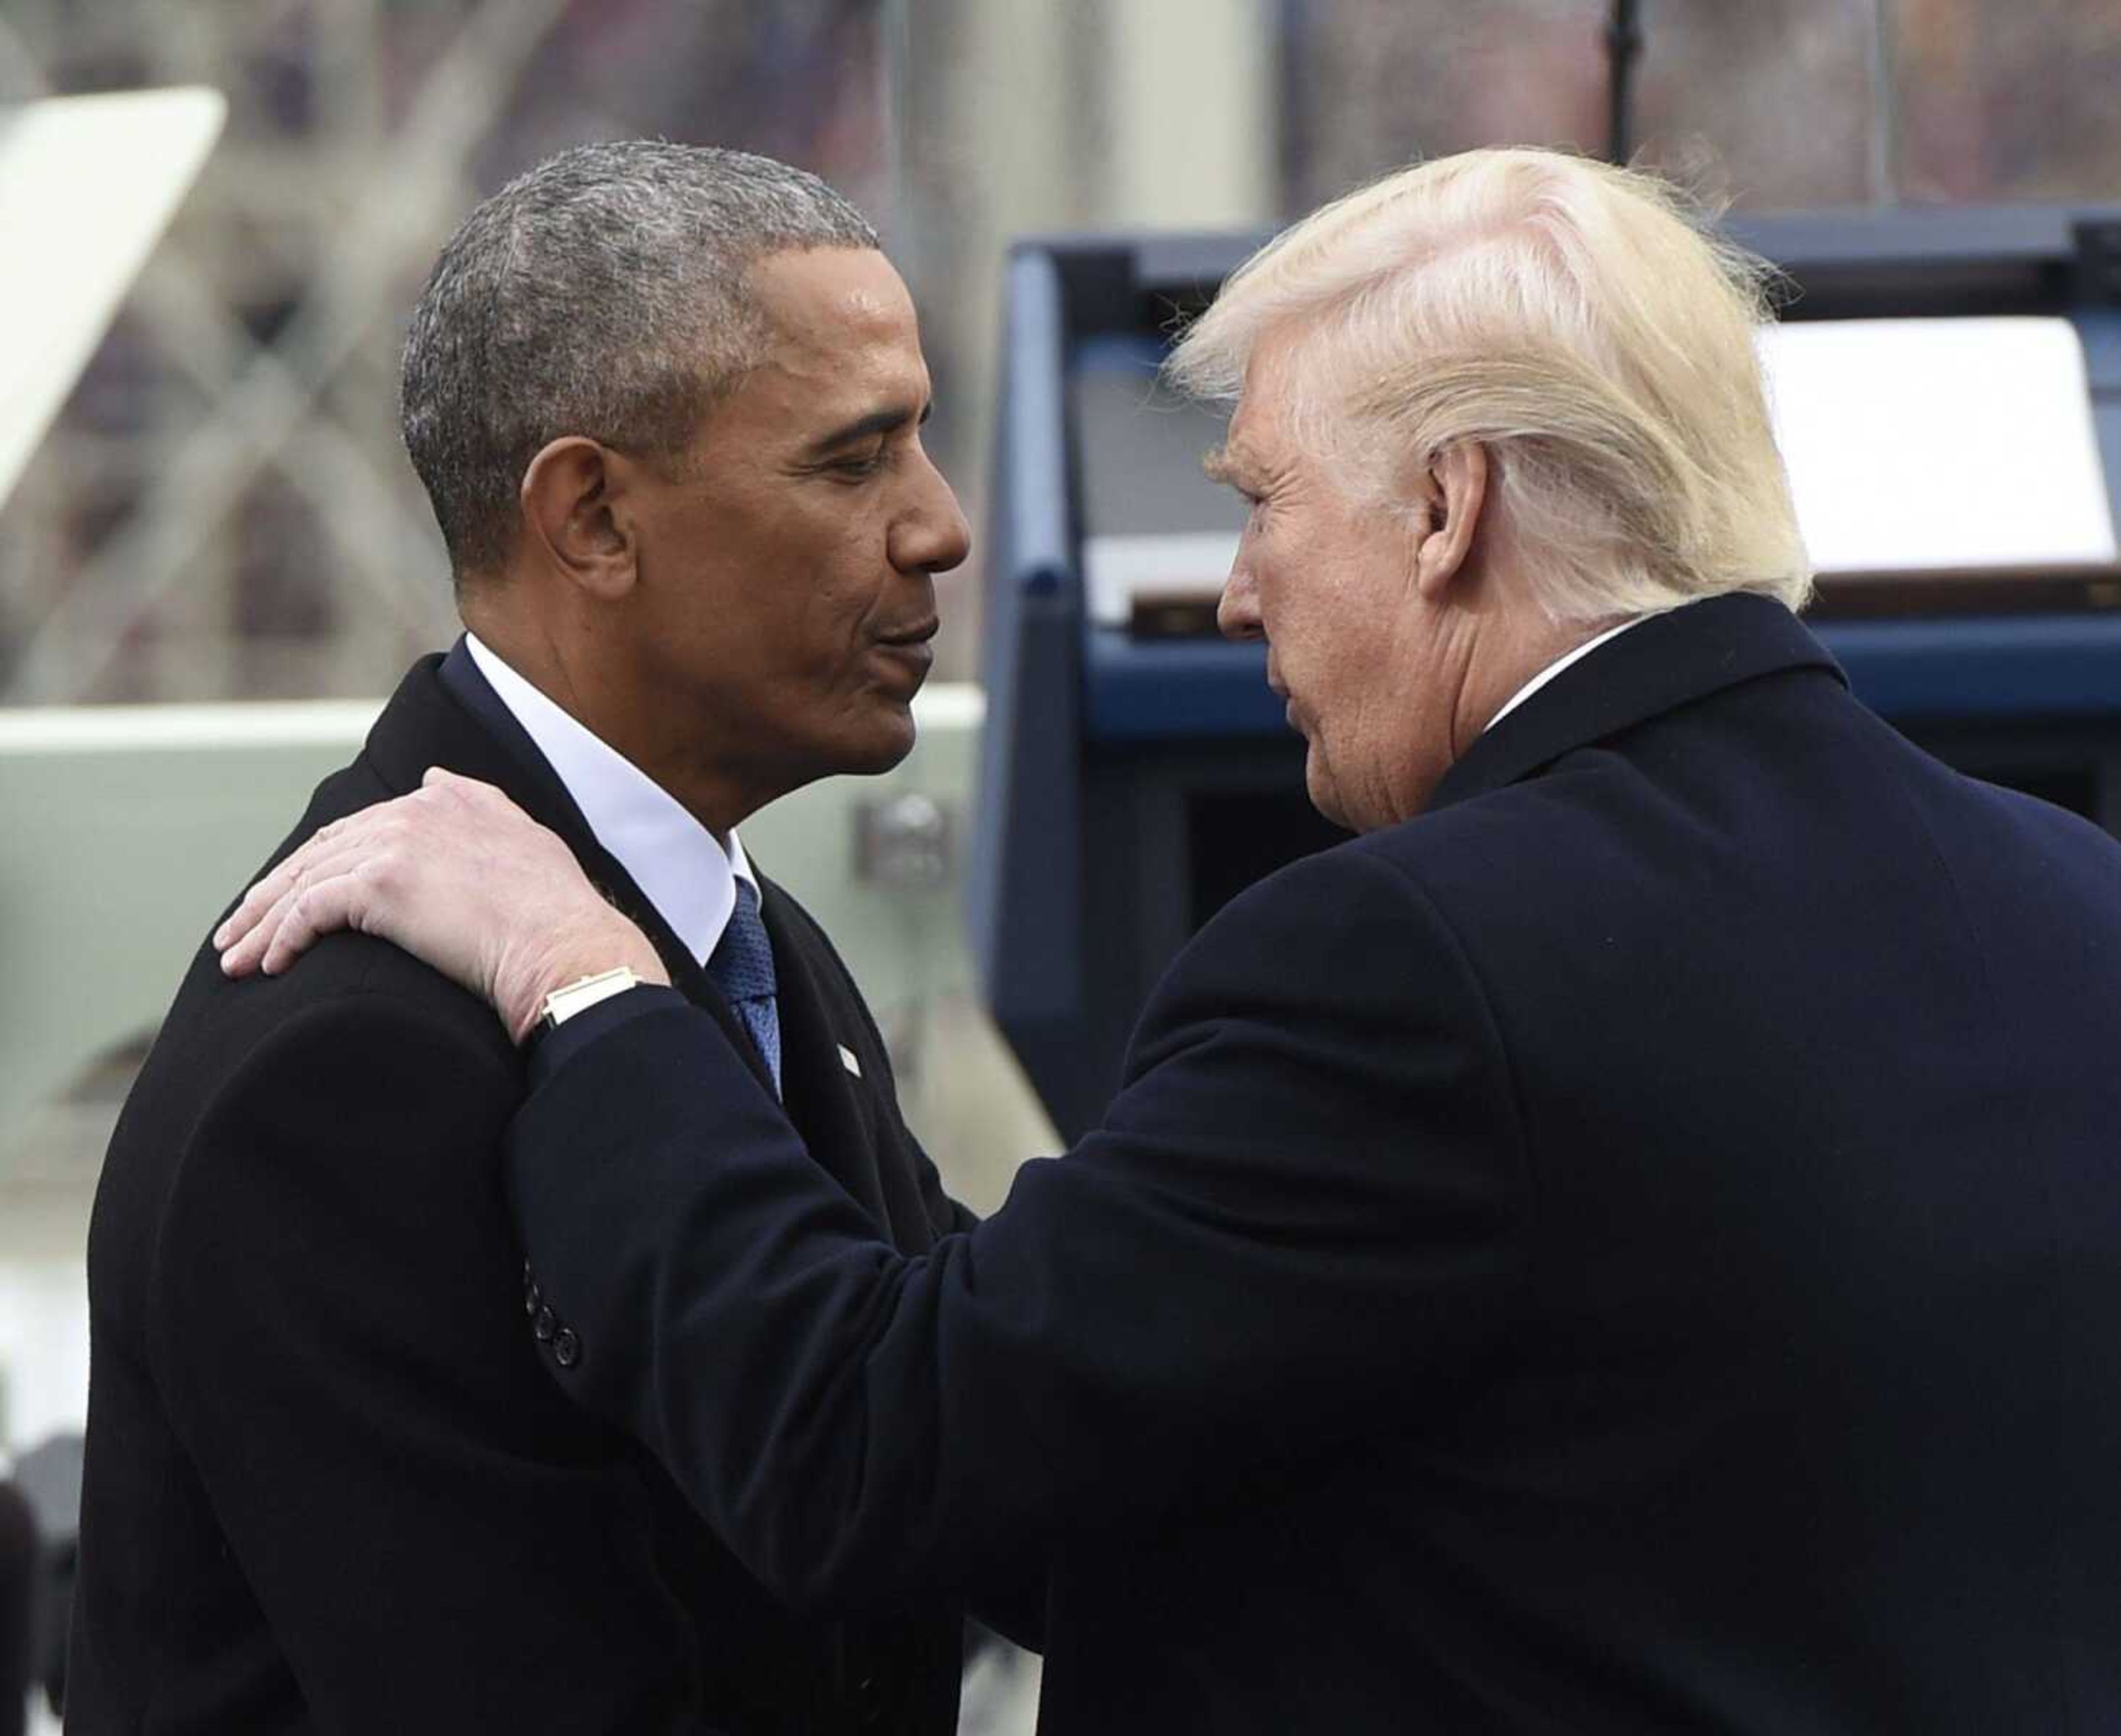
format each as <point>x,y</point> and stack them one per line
<point>340,1338</point>
<point>1301,1219</point>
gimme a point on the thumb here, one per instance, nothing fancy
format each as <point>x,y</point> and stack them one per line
<point>469,789</point>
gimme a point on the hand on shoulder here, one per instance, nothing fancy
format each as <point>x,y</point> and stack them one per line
<point>458,875</point>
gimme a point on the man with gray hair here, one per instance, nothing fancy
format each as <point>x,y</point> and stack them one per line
<point>1629,1243</point>
<point>667,401</point>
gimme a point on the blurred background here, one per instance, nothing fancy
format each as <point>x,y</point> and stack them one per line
<point>224,511</point>
<point>222,516</point>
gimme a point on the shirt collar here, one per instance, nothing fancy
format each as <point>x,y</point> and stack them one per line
<point>1556,668</point>
<point>675,861</point>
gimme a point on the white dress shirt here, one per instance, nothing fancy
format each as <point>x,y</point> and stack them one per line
<point>1556,668</point>
<point>675,861</point>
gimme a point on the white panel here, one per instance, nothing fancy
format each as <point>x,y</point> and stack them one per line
<point>151,729</point>
<point>44,1346</point>
<point>1916,444</point>
<point>1118,569</point>
<point>87,185</point>
<point>1189,104</point>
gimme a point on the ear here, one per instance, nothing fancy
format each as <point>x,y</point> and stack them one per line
<point>576,513</point>
<point>1457,489</point>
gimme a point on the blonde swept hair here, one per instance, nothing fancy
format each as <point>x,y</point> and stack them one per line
<point>1573,319</point>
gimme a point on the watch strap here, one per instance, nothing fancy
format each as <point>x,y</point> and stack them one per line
<point>580,996</point>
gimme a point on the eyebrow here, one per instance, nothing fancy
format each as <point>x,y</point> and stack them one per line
<point>882,421</point>
<point>1220,465</point>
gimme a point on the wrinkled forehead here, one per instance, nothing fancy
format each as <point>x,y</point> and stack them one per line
<point>1263,421</point>
<point>834,301</point>
<point>841,338</point>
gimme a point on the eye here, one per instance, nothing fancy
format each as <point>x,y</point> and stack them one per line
<point>857,466</point>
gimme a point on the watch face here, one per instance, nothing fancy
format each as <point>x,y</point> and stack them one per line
<point>562,1004</point>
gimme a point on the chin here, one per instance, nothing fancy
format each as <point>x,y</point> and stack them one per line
<point>1325,795</point>
<point>887,740</point>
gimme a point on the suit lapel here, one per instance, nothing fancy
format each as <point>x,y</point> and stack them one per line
<point>1669,660</point>
<point>438,718</point>
<point>444,713</point>
<point>830,1107</point>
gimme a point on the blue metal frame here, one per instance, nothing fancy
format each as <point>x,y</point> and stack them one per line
<point>1024,891</point>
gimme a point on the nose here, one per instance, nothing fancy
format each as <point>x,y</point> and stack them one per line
<point>931,535</point>
<point>1237,614</point>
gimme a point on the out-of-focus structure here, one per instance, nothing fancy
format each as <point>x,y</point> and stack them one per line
<point>87,185</point>
<point>224,512</point>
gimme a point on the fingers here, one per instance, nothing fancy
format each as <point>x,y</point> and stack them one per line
<point>325,850</point>
<point>448,783</point>
<point>341,902</point>
<point>251,932</point>
<point>461,840</point>
<point>270,889</point>
<point>244,937</point>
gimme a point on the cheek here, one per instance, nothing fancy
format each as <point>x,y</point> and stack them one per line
<point>837,618</point>
<point>1342,669</point>
<point>809,599</point>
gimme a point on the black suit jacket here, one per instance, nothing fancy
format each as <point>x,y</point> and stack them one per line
<point>1635,1248</point>
<point>328,1485</point>
<point>21,1565</point>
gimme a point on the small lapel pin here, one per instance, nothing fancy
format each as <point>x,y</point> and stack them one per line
<point>847,1060</point>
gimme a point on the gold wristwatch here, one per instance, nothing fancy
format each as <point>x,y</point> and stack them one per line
<point>579,996</point>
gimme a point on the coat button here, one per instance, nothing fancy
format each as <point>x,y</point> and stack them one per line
<point>543,1325</point>
<point>567,1347</point>
<point>533,1299</point>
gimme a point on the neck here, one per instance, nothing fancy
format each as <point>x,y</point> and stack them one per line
<point>1516,648</point>
<point>617,709</point>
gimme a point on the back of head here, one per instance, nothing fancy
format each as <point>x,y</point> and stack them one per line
<point>1573,319</point>
<point>602,294</point>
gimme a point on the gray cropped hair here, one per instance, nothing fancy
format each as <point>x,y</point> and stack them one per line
<point>604,293</point>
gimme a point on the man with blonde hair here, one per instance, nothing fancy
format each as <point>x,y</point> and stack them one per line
<point>1627,1243</point>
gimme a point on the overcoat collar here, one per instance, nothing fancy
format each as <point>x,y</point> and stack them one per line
<point>837,1118</point>
<point>445,713</point>
<point>1669,660</point>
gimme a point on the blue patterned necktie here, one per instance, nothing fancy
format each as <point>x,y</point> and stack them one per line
<point>742,967</point>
